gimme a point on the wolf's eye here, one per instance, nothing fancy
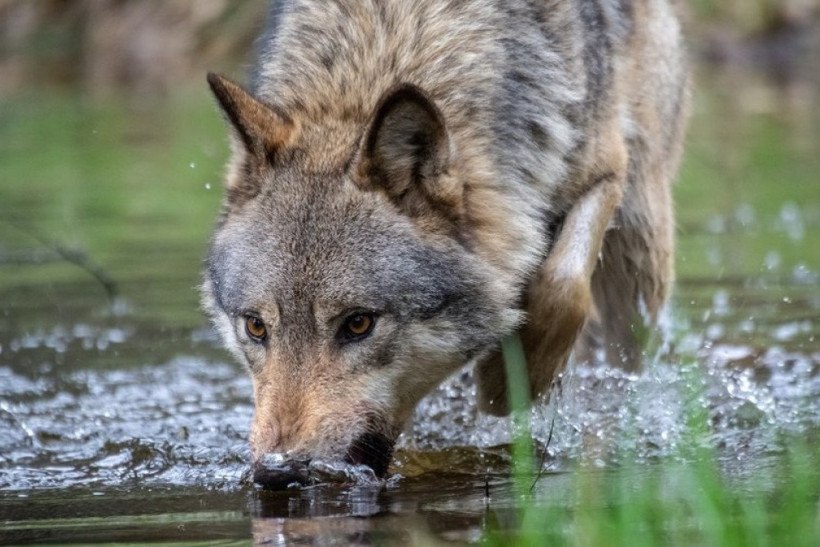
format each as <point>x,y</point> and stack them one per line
<point>255,328</point>
<point>357,326</point>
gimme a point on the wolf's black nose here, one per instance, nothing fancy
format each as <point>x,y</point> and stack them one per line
<point>281,475</point>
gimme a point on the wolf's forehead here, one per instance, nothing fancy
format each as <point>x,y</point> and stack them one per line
<point>305,252</point>
<point>316,233</point>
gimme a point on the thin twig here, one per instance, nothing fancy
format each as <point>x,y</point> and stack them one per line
<point>545,452</point>
<point>543,456</point>
<point>73,256</point>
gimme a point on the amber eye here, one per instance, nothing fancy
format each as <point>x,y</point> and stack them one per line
<point>357,325</point>
<point>255,328</point>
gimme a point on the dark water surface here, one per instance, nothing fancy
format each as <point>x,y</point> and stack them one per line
<point>121,419</point>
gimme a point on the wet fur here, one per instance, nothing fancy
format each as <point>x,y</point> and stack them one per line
<point>416,158</point>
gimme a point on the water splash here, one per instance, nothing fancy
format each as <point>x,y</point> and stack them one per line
<point>602,415</point>
<point>182,423</point>
<point>341,472</point>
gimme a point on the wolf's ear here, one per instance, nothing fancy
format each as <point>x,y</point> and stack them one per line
<point>261,128</point>
<point>406,151</point>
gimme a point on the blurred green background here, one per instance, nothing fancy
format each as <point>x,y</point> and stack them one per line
<point>111,148</point>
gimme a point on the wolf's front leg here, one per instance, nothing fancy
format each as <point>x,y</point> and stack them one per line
<point>559,297</point>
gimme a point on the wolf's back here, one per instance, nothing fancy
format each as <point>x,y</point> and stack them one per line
<point>524,85</point>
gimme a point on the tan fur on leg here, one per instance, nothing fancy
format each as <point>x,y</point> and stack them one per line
<point>560,295</point>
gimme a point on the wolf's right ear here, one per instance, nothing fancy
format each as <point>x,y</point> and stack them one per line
<point>261,128</point>
<point>405,152</point>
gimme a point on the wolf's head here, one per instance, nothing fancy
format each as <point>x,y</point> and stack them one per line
<point>347,288</point>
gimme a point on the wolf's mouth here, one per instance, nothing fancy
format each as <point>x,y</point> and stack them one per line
<point>281,475</point>
<point>366,462</point>
<point>373,450</point>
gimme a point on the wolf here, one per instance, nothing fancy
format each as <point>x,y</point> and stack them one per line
<point>411,182</point>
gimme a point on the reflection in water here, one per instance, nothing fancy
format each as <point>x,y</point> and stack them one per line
<point>132,413</point>
<point>322,501</point>
<point>451,508</point>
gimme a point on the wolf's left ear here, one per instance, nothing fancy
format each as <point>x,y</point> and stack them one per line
<point>262,129</point>
<point>406,152</point>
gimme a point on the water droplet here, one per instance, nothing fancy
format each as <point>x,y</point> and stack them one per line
<point>720,302</point>
<point>715,331</point>
<point>772,260</point>
<point>787,331</point>
<point>803,275</point>
<point>791,222</point>
<point>745,214</point>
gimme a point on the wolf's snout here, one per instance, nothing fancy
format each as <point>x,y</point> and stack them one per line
<point>370,450</point>
<point>280,475</point>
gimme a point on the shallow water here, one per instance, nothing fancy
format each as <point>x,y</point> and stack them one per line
<point>122,419</point>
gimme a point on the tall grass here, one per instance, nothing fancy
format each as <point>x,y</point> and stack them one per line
<point>677,504</point>
<point>518,395</point>
<point>690,499</point>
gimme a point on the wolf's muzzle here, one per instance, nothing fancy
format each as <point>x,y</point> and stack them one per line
<point>373,450</point>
